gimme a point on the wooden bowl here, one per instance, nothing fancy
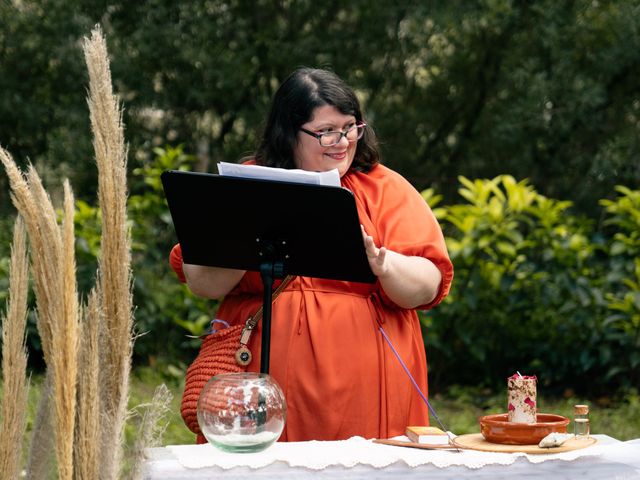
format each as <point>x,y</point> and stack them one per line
<point>497,429</point>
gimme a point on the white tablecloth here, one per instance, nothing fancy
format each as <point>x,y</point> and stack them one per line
<point>360,459</point>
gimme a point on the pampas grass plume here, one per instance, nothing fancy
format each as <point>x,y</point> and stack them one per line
<point>114,273</point>
<point>14,358</point>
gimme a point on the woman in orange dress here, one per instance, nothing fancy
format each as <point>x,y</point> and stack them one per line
<point>339,376</point>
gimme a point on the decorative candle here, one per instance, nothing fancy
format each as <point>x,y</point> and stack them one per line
<point>522,398</point>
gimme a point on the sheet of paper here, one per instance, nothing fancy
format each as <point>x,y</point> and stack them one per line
<point>330,178</point>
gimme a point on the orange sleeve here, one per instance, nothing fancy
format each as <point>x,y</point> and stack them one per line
<point>175,260</point>
<point>398,218</point>
<point>427,242</point>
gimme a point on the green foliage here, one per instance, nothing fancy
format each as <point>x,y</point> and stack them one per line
<point>167,310</point>
<point>43,113</point>
<point>623,299</point>
<point>433,200</point>
<point>544,90</point>
<point>531,291</point>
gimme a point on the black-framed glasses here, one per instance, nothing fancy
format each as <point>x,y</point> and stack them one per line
<point>329,139</point>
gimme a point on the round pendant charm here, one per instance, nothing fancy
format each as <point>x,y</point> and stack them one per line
<point>243,356</point>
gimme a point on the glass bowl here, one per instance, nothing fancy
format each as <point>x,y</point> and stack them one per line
<point>497,429</point>
<point>241,412</point>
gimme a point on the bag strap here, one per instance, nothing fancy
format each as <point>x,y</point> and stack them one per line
<point>252,321</point>
<point>243,354</point>
<point>256,317</point>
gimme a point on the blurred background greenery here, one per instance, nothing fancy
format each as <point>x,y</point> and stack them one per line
<point>518,120</point>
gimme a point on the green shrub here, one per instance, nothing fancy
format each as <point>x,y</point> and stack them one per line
<point>166,309</point>
<point>623,295</point>
<point>530,292</point>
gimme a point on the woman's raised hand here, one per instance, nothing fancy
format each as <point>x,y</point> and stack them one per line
<point>377,256</point>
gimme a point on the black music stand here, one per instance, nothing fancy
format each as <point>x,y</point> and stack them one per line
<point>272,227</point>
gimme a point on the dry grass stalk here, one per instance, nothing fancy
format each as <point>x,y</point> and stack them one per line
<point>65,344</point>
<point>115,261</point>
<point>152,427</point>
<point>40,462</point>
<point>87,434</point>
<point>54,280</point>
<point>23,199</point>
<point>14,358</point>
<point>110,312</point>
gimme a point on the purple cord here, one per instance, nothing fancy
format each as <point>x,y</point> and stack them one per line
<point>415,384</point>
<point>217,320</point>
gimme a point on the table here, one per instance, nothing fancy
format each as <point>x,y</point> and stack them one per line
<point>615,460</point>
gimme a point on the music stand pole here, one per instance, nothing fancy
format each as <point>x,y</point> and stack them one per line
<point>269,271</point>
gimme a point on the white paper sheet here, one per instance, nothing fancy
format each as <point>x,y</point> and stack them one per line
<point>330,178</point>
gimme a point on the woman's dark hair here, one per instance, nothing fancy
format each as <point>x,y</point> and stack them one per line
<point>300,94</point>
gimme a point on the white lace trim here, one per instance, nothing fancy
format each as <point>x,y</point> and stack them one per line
<point>316,455</point>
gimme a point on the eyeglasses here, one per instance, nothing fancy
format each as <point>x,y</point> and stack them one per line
<point>329,139</point>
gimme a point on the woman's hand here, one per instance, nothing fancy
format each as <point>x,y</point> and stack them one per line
<point>408,281</point>
<point>377,256</point>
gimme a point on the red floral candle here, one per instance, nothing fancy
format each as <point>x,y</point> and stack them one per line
<point>522,398</point>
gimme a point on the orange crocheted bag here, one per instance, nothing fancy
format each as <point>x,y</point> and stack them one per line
<point>222,351</point>
<point>216,356</point>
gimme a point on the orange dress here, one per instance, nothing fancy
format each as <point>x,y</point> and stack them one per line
<point>339,376</point>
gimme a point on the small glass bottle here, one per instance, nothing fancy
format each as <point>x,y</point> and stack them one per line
<point>581,421</point>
